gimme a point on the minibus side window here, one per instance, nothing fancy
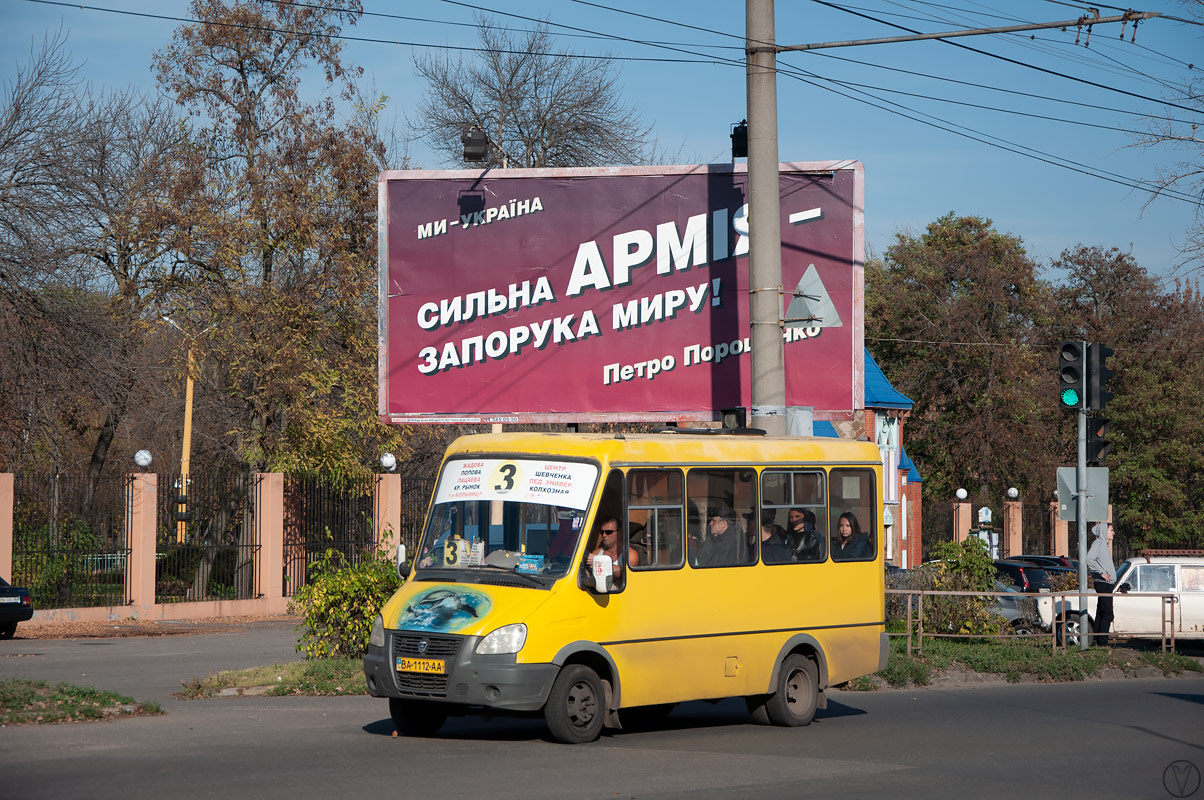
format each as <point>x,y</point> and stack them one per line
<point>794,517</point>
<point>852,519</point>
<point>656,517</point>
<point>610,507</point>
<point>723,519</point>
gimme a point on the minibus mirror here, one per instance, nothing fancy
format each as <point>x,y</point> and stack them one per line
<point>403,569</point>
<point>603,572</point>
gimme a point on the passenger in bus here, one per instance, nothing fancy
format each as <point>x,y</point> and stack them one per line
<point>724,544</point>
<point>804,540</point>
<point>775,548</point>
<point>609,541</point>
<point>850,542</point>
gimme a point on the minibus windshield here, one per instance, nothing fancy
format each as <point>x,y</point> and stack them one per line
<point>525,515</point>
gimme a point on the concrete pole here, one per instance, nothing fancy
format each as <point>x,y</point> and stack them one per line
<point>764,226</point>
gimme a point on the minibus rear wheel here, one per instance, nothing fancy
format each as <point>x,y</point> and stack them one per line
<point>576,706</point>
<point>797,695</point>
<point>417,717</point>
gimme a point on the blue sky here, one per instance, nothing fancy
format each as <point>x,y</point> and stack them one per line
<point>914,172</point>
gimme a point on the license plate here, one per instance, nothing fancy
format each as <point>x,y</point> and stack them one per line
<point>10,599</point>
<point>431,666</point>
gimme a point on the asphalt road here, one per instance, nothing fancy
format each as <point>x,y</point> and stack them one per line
<point>1099,739</point>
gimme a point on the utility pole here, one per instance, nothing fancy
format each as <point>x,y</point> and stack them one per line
<point>766,355</point>
<point>767,360</point>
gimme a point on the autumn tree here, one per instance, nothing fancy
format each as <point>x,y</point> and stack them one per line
<point>955,317</point>
<point>86,241</point>
<point>539,106</point>
<point>282,244</point>
<point>1157,432</point>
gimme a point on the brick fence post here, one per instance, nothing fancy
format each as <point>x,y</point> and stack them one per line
<point>961,521</point>
<point>269,532</point>
<point>1013,528</point>
<point>386,513</point>
<point>7,497</point>
<point>141,521</point>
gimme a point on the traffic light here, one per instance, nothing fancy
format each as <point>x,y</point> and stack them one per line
<point>182,514</point>
<point>1098,376</point>
<point>740,140</point>
<point>1072,374</point>
<point>476,145</point>
<point>1097,447</point>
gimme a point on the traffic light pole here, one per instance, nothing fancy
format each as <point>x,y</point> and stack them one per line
<point>1081,502</point>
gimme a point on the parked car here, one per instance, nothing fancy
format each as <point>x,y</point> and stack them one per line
<point>1024,576</point>
<point>1018,611</point>
<point>15,606</point>
<point>1137,607</point>
<point>1061,562</point>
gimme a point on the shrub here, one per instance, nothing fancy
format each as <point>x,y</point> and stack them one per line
<point>964,567</point>
<point>340,602</point>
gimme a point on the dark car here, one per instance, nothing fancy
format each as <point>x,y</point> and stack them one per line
<point>1061,562</point>
<point>1024,576</point>
<point>15,606</point>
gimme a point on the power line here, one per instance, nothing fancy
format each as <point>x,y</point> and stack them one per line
<point>973,135</point>
<point>1014,61</point>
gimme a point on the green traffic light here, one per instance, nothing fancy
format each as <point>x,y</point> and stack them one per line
<point>1070,398</point>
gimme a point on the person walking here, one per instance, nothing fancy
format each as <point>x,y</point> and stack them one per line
<point>1103,574</point>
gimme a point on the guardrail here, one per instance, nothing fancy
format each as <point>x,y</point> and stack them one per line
<point>915,621</point>
<point>1060,617</point>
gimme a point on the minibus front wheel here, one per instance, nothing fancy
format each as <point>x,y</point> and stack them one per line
<point>576,706</point>
<point>797,695</point>
<point>417,717</point>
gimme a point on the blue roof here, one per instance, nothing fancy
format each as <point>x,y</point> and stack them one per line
<point>905,462</point>
<point>821,427</point>
<point>878,391</point>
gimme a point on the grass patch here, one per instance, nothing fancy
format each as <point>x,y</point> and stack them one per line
<point>318,676</point>
<point>1016,658</point>
<point>24,702</point>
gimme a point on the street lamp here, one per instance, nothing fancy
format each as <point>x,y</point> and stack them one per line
<point>388,462</point>
<point>143,459</point>
<point>1013,493</point>
<point>962,494</point>
<point>186,445</point>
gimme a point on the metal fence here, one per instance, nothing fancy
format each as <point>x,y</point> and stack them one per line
<point>320,516</point>
<point>69,545</point>
<point>415,495</point>
<point>206,544</point>
<point>938,527</point>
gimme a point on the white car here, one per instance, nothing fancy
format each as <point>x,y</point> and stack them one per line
<point>1137,606</point>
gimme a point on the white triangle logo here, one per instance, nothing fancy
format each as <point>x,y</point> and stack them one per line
<point>812,306</point>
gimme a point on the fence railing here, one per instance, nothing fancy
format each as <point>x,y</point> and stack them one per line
<point>321,516</point>
<point>69,545</point>
<point>205,539</point>
<point>1059,632</point>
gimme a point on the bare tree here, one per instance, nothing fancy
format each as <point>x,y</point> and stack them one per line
<point>538,106</point>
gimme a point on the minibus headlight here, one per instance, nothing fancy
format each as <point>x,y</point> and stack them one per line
<point>377,637</point>
<point>506,639</point>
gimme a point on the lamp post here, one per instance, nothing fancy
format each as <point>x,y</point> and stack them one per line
<point>388,462</point>
<point>186,444</point>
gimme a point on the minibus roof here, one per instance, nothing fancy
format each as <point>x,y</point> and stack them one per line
<point>679,447</point>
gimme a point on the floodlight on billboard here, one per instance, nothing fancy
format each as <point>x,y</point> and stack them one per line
<point>588,295</point>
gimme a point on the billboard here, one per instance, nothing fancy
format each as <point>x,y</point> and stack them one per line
<point>609,294</point>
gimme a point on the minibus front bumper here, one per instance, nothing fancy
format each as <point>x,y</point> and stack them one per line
<point>470,679</point>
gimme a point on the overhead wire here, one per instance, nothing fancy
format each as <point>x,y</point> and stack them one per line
<point>708,58</point>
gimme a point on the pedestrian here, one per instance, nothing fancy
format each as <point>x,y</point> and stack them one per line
<point>1103,575</point>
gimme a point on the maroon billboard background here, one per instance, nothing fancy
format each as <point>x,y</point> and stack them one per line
<point>607,294</point>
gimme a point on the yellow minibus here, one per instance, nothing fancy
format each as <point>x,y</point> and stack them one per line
<point>584,575</point>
